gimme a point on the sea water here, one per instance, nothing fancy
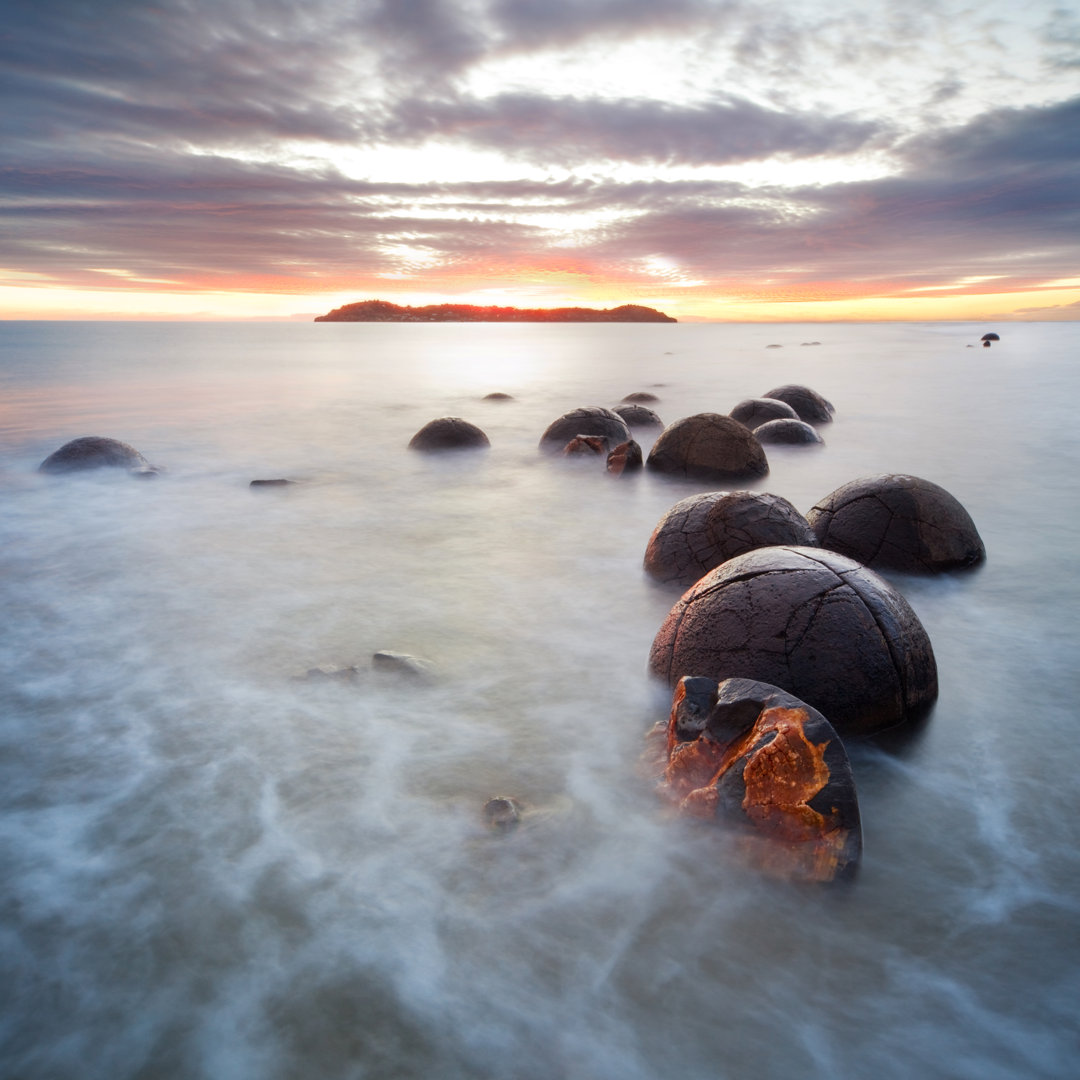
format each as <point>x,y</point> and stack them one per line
<point>211,868</point>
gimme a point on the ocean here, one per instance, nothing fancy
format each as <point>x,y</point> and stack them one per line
<point>212,868</point>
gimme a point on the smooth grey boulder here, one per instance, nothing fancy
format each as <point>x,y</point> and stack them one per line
<point>700,532</point>
<point>97,452</point>
<point>753,412</point>
<point>808,404</point>
<point>588,420</point>
<point>817,624</point>
<point>449,433</point>
<point>792,432</point>
<point>638,415</point>
<point>898,522</point>
<point>708,446</point>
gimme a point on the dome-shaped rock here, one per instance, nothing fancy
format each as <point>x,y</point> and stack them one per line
<point>641,395</point>
<point>588,420</point>
<point>787,431</point>
<point>753,412</point>
<point>817,624</point>
<point>708,446</point>
<point>990,337</point>
<point>638,415</point>
<point>702,531</point>
<point>749,755</point>
<point>898,522</point>
<point>448,433</point>
<point>96,452</point>
<point>498,395</point>
<point>808,404</point>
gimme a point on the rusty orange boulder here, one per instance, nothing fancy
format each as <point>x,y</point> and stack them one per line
<point>708,446</point>
<point>817,624</point>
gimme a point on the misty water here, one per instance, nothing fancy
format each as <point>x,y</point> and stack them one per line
<point>213,869</point>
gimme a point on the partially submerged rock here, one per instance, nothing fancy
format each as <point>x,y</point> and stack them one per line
<point>708,446</point>
<point>808,404</point>
<point>751,756</point>
<point>626,457</point>
<point>641,395</point>
<point>753,412</point>
<point>404,664</point>
<point>278,481</point>
<point>817,624</point>
<point>449,433</point>
<point>588,420</point>
<point>793,432</point>
<point>638,415</point>
<point>898,522</point>
<point>502,813</point>
<point>498,395</point>
<point>97,452</point>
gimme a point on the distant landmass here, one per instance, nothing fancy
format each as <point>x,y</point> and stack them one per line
<point>382,311</point>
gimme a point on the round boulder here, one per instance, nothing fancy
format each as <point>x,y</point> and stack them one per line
<point>708,446</point>
<point>898,522</point>
<point>588,420</point>
<point>700,532</point>
<point>808,404</point>
<point>641,395</point>
<point>638,415</point>
<point>498,395</point>
<point>96,452</point>
<point>753,412</point>
<point>817,624</point>
<point>448,433</point>
<point>787,431</point>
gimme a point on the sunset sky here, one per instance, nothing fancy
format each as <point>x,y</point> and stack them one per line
<point>717,159</point>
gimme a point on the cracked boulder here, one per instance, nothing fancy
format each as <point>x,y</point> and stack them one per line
<point>588,420</point>
<point>96,452</point>
<point>708,446</point>
<point>753,412</point>
<point>817,624</point>
<point>749,756</point>
<point>808,404</point>
<point>624,458</point>
<point>898,522</point>
<point>702,531</point>
<point>448,433</point>
<point>793,432</point>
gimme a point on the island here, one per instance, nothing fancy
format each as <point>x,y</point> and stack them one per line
<point>383,311</point>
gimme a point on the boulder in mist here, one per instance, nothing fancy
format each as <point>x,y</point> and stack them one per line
<point>708,446</point>
<point>808,404</point>
<point>449,433</point>
<point>97,452</point>
<point>753,412</point>
<point>588,420</point>
<point>792,432</point>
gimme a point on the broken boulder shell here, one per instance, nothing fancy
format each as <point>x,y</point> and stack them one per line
<point>755,758</point>
<point>708,446</point>
<point>624,458</point>
<point>792,432</point>
<point>818,624</point>
<point>448,433</point>
<point>588,420</point>
<point>753,412</point>
<point>700,532</point>
<point>898,522</point>
<point>96,452</point>
<point>808,404</point>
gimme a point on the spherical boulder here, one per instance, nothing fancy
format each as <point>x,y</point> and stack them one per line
<point>96,452</point>
<point>588,420</point>
<point>448,433</point>
<point>702,531</point>
<point>815,623</point>
<point>708,446</point>
<point>793,432</point>
<point>753,412</point>
<point>808,404</point>
<point>638,415</point>
<point>641,395</point>
<point>746,754</point>
<point>898,522</point>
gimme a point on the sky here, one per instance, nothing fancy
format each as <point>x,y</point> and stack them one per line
<point>789,160</point>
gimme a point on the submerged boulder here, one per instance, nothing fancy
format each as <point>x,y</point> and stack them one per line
<point>638,415</point>
<point>753,412</point>
<point>708,446</point>
<point>755,758</point>
<point>97,452</point>
<point>641,395</point>
<point>808,404</point>
<point>700,532</point>
<point>588,420</point>
<point>794,432</point>
<point>817,624</point>
<point>898,522</point>
<point>449,433</point>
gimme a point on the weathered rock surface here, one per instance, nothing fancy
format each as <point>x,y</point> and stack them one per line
<point>753,412</point>
<point>708,446</point>
<point>96,452</point>
<point>448,433</point>
<point>808,404</point>
<point>586,446</point>
<point>638,415</point>
<point>588,420</point>
<point>755,758</point>
<point>898,522</point>
<point>702,531</point>
<point>793,432</point>
<point>817,624</point>
<point>624,458</point>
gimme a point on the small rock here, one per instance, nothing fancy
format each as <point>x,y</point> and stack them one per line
<point>502,813</point>
<point>405,664</point>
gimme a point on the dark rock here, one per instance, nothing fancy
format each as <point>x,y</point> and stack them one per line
<point>986,344</point>
<point>753,412</point>
<point>817,624</point>
<point>586,445</point>
<point>898,522</point>
<point>589,420</point>
<point>276,482</point>
<point>750,755</point>
<point>97,452</point>
<point>642,395</point>
<point>638,416</point>
<point>330,673</point>
<point>708,446</point>
<point>786,431</point>
<point>990,337</point>
<point>626,457</point>
<point>808,404</point>
<point>502,813</point>
<point>702,531</point>
<point>498,395</point>
<point>448,433</point>
<point>404,664</point>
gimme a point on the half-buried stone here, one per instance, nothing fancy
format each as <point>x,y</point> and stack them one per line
<point>753,412</point>
<point>708,446</point>
<point>898,522</point>
<point>638,415</point>
<point>449,433</point>
<point>700,532</point>
<point>793,432</point>
<point>97,452</point>
<point>748,755</point>
<point>588,420</point>
<point>819,625</point>
<point>808,404</point>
